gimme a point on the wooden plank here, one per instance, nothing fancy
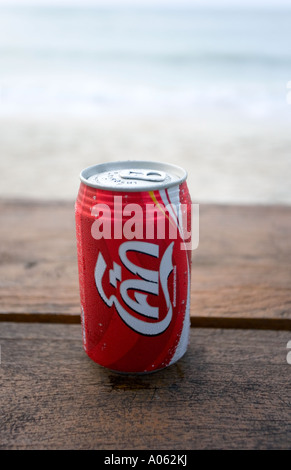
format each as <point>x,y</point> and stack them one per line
<point>230,391</point>
<point>240,277</point>
<point>38,262</point>
<point>241,270</point>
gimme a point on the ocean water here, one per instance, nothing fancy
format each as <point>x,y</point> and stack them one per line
<point>145,61</point>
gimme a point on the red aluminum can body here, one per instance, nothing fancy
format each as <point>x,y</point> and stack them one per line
<point>134,281</point>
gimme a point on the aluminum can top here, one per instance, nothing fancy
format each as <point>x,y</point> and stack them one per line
<point>133,175</point>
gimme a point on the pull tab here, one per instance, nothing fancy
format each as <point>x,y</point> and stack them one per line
<point>146,175</point>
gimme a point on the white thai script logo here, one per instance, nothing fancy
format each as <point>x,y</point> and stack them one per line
<point>145,282</point>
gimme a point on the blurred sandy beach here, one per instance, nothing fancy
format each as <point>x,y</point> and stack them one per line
<point>204,89</point>
<point>226,163</point>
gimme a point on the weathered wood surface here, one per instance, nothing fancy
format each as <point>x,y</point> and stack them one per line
<point>38,262</point>
<point>230,391</point>
<point>241,270</point>
<point>240,277</point>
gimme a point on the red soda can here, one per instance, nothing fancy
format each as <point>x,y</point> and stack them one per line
<point>133,227</point>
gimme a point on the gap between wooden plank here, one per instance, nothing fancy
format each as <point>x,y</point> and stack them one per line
<point>283,324</point>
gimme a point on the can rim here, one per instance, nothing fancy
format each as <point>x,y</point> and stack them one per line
<point>179,172</point>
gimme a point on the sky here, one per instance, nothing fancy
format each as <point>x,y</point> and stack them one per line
<point>200,3</point>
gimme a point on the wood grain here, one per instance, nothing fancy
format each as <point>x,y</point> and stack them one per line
<point>38,262</point>
<point>241,270</point>
<point>230,391</point>
<point>240,277</point>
